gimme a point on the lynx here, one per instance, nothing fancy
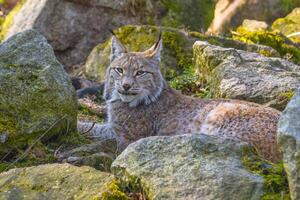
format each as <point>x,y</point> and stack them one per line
<point>141,104</point>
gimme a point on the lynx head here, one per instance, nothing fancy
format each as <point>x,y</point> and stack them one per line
<point>134,77</point>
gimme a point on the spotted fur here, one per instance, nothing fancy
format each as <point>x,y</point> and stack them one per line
<point>150,107</point>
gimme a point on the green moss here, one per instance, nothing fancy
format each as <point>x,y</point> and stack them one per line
<point>9,19</point>
<point>114,192</point>
<point>189,84</point>
<point>231,43</point>
<point>289,25</point>
<point>192,14</point>
<point>265,53</point>
<point>123,190</point>
<point>84,112</point>
<point>137,38</point>
<point>283,99</point>
<point>288,5</point>
<point>175,42</point>
<point>275,178</point>
<point>287,95</point>
<point>208,75</point>
<point>273,39</point>
<point>7,124</point>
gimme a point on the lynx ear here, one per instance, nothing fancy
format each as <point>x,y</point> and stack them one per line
<point>117,49</point>
<point>155,51</point>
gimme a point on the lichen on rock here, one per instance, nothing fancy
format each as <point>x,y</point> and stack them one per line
<point>36,91</point>
<point>37,100</point>
<point>273,38</point>
<point>274,175</point>
<point>54,181</point>
<point>194,166</point>
<point>289,25</point>
<point>238,74</point>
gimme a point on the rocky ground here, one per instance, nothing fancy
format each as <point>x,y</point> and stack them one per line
<point>54,53</point>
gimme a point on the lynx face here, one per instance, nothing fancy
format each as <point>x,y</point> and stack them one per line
<point>135,77</point>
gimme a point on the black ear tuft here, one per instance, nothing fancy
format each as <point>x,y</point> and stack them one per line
<point>159,39</point>
<point>112,32</point>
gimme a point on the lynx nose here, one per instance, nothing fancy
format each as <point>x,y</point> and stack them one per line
<point>126,86</point>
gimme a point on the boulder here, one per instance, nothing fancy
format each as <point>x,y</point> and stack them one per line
<point>53,181</point>
<point>289,25</point>
<point>289,143</point>
<point>189,167</point>
<point>254,25</point>
<point>230,13</point>
<point>36,93</point>
<point>72,27</point>
<point>237,74</point>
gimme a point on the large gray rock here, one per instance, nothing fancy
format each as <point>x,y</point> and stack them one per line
<point>55,181</point>
<point>289,143</point>
<point>238,74</point>
<point>72,27</point>
<point>35,92</point>
<point>189,167</point>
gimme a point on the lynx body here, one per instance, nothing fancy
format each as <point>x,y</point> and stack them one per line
<point>141,104</point>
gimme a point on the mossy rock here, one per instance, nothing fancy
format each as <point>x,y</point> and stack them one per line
<point>37,97</point>
<point>237,74</point>
<point>54,181</point>
<point>285,47</point>
<point>149,166</point>
<point>241,45</point>
<point>193,14</point>
<point>275,178</point>
<point>289,25</point>
<point>200,166</point>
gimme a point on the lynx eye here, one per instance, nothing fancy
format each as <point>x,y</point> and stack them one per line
<point>139,73</point>
<point>119,70</point>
